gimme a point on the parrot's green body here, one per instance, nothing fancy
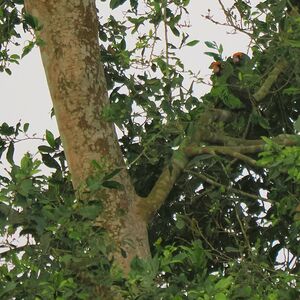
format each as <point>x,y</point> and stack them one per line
<point>229,83</point>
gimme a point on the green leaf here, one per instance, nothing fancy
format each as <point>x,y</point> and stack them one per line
<point>25,127</point>
<point>31,21</point>
<point>134,4</point>
<point>7,130</point>
<point>110,184</point>
<point>224,283</point>
<point>180,224</point>
<point>192,43</point>
<point>293,43</point>
<point>26,162</point>
<point>7,289</point>
<point>50,138</point>
<point>112,174</point>
<point>175,30</point>
<point>50,161</point>
<point>122,44</point>
<point>115,3</point>
<point>10,153</point>
<point>46,149</point>
<point>90,212</point>
<point>94,185</point>
<point>216,56</point>
<point>232,101</point>
<point>297,124</point>
<point>243,292</point>
<point>221,49</point>
<point>220,296</point>
<point>8,71</point>
<point>232,249</point>
<point>27,49</point>
<point>102,36</point>
<point>15,56</point>
<point>258,119</point>
<point>211,45</point>
<point>25,187</point>
<point>291,91</point>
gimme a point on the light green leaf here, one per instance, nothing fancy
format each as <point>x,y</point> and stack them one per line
<point>220,296</point>
<point>192,43</point>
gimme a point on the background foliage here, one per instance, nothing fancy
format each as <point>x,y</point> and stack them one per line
<point>228,230</point>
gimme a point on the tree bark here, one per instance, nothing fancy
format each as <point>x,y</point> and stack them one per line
<point>71,59</point>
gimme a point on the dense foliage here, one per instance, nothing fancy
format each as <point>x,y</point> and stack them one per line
<point>230,226</point>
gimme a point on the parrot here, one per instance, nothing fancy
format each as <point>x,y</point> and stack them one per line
<point>216,68</point>
<point>240,58</point>
<point>228,83</point>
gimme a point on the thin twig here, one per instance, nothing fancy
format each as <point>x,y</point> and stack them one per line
<point>228,188</point>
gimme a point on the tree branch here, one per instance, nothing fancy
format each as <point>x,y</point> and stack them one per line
<point>164,184</point>
<point>263,91</point>
<point>228,188</point>
<point>195,134</point>
<point>235,152</point>
<point>198,133</point>
<point>246,147</point>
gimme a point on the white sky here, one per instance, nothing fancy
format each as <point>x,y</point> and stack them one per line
<point>25,94</point>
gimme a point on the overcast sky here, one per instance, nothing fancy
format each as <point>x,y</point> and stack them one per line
<point>25,94</point>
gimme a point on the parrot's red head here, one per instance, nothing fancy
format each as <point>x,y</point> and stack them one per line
<point>237,57</point>
<point>216,67</point>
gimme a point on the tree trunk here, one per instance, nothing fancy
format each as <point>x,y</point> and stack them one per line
<point>71,59</point>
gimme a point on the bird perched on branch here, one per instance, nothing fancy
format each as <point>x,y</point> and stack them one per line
<point>216,67</point>
<point>228,81</point>
<point>240,58</point>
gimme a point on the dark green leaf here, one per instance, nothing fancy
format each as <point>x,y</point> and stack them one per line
<point>10,153</point>
<point>27,49</point>
<point>231,249</point>
<point>134,4</point>
<point>216,56</point>
<point>110,184</point>
<point>25,127</point>
<point>211,45</point>
<point>7,289</point>
<point>50,161</point>
<point>112,174</point>
<point>115,3</point>
<point>50,138</point>
<point>31,21</point>
<point>175,31</point>
<point>46,149</point>
<point>5,129</point>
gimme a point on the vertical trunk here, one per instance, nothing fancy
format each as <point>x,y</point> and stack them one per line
<point>71,59</point>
